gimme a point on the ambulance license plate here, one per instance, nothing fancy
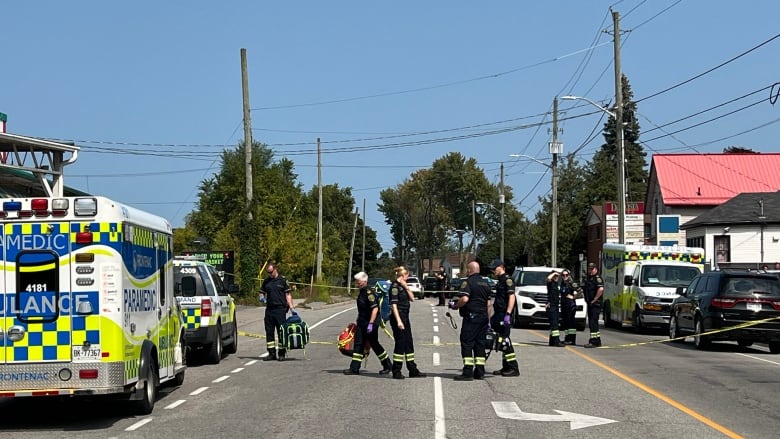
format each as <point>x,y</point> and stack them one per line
<point>755,307</point>
<point>82,354</point>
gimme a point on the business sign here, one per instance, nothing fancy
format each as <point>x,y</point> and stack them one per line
<point>668,230</point>
<point>633,222</point>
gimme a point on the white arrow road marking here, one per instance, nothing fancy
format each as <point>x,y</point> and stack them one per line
<point>510,410</point>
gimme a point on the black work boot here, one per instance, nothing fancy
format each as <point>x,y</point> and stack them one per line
<point>555,341</point>
<point>415,373</point>
<point>281,355</point>
<point>388,366</point>
<point>467,375</point>
<point>271,356</point>
<point>397,375</point>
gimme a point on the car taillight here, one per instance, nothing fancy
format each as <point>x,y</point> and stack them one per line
<point>776,304</point>
<point>205,308</point>
<point>723,302</point>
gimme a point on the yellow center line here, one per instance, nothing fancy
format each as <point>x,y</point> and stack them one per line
<point>688,411</point>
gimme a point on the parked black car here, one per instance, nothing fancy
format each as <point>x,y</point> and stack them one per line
<point>725,299</point>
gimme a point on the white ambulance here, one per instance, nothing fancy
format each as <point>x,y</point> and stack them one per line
<point>640,282</point>
<point>87,290</point>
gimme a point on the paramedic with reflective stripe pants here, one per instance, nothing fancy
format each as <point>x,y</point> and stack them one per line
<point>503,310</point>
<point>553,308</point>
<point>367,328</point>
<point>594,290</point>
<point>278,300</point>
<point>400,301</point>
<point>568,309</point>
<point>474,306</point>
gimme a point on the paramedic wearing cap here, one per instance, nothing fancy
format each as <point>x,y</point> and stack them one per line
<point>594,289</point>
<point>278,301</point>
<point>367,328</point>
<point>501,322</point>
<point>474,306</point>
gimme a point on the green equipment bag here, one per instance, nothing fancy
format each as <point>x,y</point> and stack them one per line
<point>295,332</point>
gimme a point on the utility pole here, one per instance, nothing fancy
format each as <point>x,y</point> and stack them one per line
<point>474,228</point>
<point>554,149</point>
<point>502,200</point>
<point>247,133</point>
<point>319,212</point>
<point>619,129</point>
<point>363,258</point>
<point>351,253</point>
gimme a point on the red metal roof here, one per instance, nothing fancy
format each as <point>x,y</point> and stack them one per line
<point>712,179</point>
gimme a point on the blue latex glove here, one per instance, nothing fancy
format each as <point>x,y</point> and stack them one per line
<point>451,304</point>
<point>262,298</point>
<point>507,319</point>
<point>370,328</point>
<point>293,311</point>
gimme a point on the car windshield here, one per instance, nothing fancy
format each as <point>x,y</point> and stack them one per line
<point>667,276</point>
<point>533,278</point>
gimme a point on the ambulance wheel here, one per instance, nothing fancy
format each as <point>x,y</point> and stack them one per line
<point>145,405</point>
<point>215,352</point>
<point>233,347</point>
<point>178,379</point>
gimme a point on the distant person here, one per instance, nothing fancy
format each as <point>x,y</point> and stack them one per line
<point>441,285</point>
<point>474,306</point>
<point>553,308</point>
<point>400,303</point>
<point>278,301</point>
<point>594,291</point>
<point>367,328</point>
<point>501,322</point>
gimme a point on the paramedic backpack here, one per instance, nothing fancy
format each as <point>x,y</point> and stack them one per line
<point>382,291</point>
<point>295,332</point>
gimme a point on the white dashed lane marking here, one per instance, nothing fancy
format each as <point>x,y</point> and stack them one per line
<point>139,424</point>
<point>175,404</point>
<point>198,391</point>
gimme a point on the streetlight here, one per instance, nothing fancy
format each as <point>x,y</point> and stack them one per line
<point>618,116</point>
<point>555,149</point>
<point>501,200</point>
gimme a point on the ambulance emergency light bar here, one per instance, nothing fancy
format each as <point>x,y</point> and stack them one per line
<point>39,207</point>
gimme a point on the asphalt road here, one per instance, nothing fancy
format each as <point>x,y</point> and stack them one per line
<point>639,386</point>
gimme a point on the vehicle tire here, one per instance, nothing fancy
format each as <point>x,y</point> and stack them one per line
<point>232,348</point>
<point>744,343</point>
<point>636,321</point>
<point>674,330</point>
<point>178,379</point>
<point>145,405</point>
<point>608,322</point>
<point>701,342</point>
<point>774,347</point>
<point>215,352</point>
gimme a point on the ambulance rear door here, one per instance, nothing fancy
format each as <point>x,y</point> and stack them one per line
<point>37,303</point>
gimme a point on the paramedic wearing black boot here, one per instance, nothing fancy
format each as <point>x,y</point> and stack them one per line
<point>278,301</point>
<point>367,328</point>
<point>501,322</point>
<point>474,306</point>
<point>553,308</point>
<point>400,301</point>
<point>594,289</point>
<point>568,308</point>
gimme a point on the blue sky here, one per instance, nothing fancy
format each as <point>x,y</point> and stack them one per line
<point>162,80</point>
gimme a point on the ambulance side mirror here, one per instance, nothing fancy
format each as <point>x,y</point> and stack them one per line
<point>682,291</point>
<point>628,280</point>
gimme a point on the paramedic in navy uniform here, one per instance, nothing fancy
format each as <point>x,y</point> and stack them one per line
<point>278,301</point>
<point>474,306</point>
<point>400,301</point>
<point>501,322</point>
<point>367,328</point>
